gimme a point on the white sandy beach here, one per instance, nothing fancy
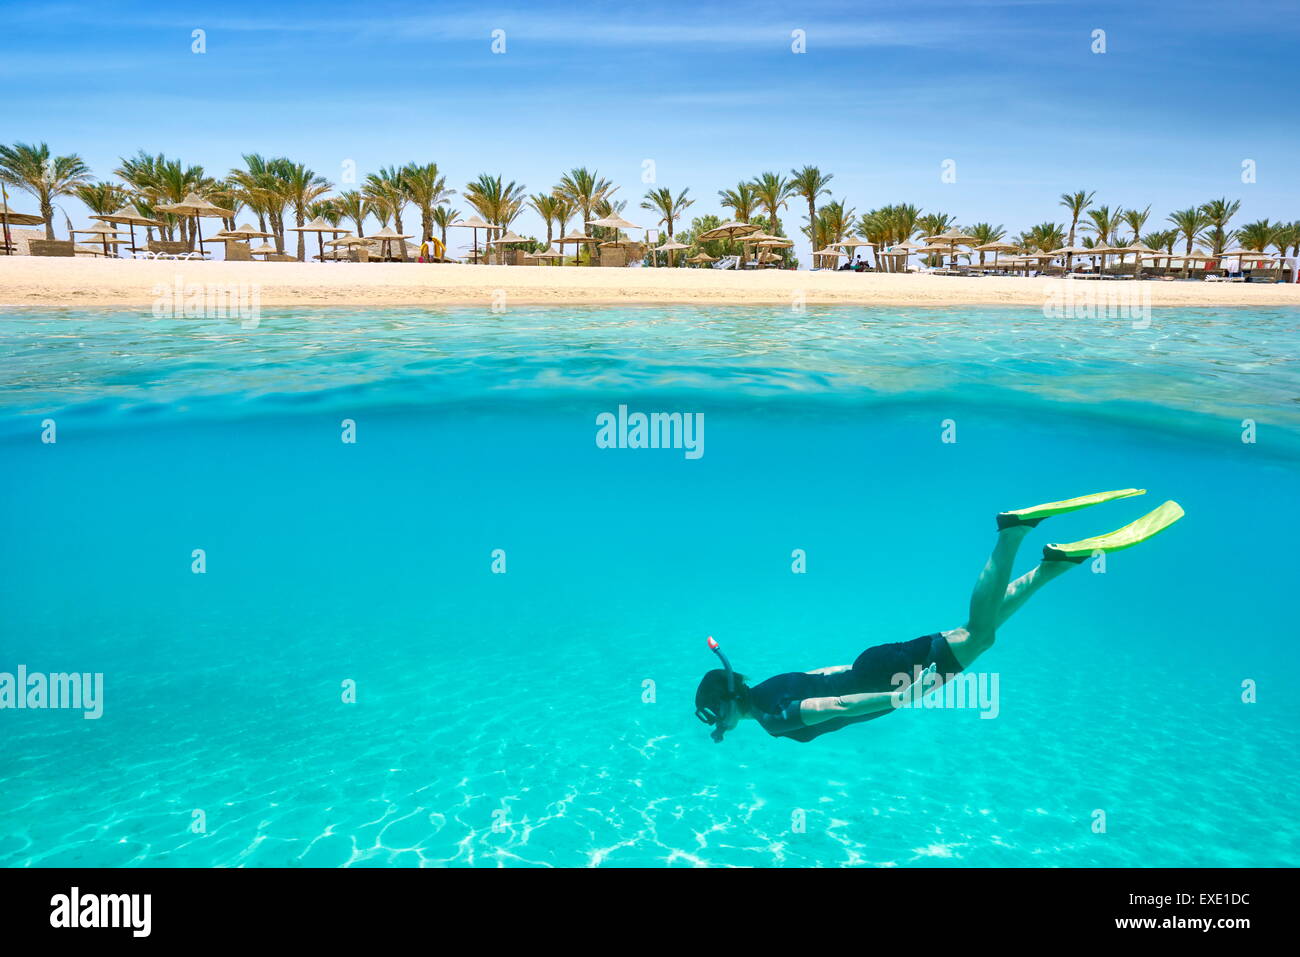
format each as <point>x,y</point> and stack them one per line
<point>33,281</point>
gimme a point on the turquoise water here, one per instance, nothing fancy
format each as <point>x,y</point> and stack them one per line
<point>543,716</point>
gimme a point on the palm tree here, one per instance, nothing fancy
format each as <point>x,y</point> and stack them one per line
<point>140,172</point>
<point>443,217</point>
<point>355,207</point>
<point>1076,203</point>
<point>1258,235</point>
<point>876,226</point>
<point>582,189</point>
<point>811,184</point>
<point>1102,223</point>
<point>1217,214</point>
<point>545,205</point>
<point>425,188</point>
<point>263,192</point>
<point>1042,238</point>
<point>386,190</point>
<point>890,225</point>
<point>669,208</point>
<point>1136,220</point>
<point>1189,223</point>
<point>985,233</point>
<point>773,191</point>
<point>300,187</point>
<point>932,224</point>
<point>1163,239</point>
<point>505,201</point>
<point>563,210</point>
<point>497,201</point>
<point>31,168</point>
<point>102,198</point>
<point>742,201</point>
<point>1286,235</point>
<point>834,223</point>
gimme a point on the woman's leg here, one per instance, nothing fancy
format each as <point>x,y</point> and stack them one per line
<point>1020,590</point>
<point>976,637</point>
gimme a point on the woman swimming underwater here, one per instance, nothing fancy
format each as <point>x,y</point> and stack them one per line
<point>803,705</point>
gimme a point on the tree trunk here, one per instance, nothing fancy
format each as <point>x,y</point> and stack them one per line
<point>302,237</point>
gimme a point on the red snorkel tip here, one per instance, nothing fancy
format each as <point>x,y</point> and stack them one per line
<point>713,645</point>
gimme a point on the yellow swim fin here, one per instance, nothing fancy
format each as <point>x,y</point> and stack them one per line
<point>1132,534</point>
<point>1036,513</point>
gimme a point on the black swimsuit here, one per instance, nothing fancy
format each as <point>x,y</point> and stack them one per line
<point>775,702</point>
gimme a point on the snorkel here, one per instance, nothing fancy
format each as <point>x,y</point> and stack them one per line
<point>724,711</point>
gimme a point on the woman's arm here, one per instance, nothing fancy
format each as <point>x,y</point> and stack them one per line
<point>816,710</point>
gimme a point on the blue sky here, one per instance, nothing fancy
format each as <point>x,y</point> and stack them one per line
<point>1010,91</point>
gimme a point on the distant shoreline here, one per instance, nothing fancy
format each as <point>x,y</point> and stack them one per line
<point>38,281</point>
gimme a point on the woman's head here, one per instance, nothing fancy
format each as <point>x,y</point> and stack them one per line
<point>715,705</point>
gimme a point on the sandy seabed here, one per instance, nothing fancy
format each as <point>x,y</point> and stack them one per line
<point>33,281</point>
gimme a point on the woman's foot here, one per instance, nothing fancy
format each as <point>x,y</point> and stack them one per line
<point>1034,514</point>
<point>1134,533</point>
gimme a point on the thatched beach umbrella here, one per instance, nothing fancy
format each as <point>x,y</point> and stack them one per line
<point>547,254</point>
<point>828,251</point>
<point>576,237</point>
<point>247,232</point>
<point>1138,249</point>
<point>951,239</point>
<point>129,217</point>
<point>1069,252</point>
<point>476,224</point>
<point>320,227</point>
<point>266,249</point>
<point>348,242</point>
<point>508,238</point>
<point>852,244</point>
<point>670,247</point>
<point>102,233</point>
<point>614,221</point>
<point>196,206</point>
<point>384,237</point>
<point>11,218</point>
<point>729,230</point>
<point>995,248</point>
<point>894,250</point>
<point>702,257</point>
<point>1251,255</point>
<point>1103,251</point>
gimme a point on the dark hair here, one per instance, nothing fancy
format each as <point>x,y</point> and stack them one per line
<point>713,689</point>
